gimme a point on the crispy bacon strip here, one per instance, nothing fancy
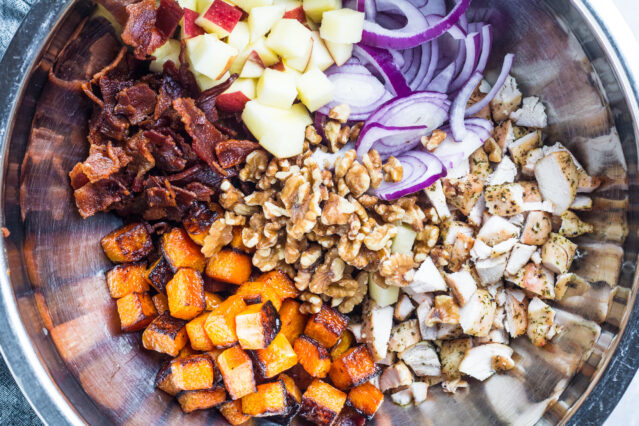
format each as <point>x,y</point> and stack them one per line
<point>233,152</point>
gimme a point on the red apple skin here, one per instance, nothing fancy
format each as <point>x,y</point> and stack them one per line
<point>231,102</point>
<point>297,13</point>
<point>255,57</point>
<point>223,15</point>
<point>191,29</point>
<point>278,67</point>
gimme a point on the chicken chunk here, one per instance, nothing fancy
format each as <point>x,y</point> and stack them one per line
<point>477,212</point>
<point>537,228</point>
<point>505,199</point>
<point>395,376</point>
<point>403,308</point>
<point>402,397</point>
<point>569,285</point>
<point>528,166</point>
<point>520,148</point>
<point>463,193</point>
<point>437,198</point>
<point>536,279</point>
<point>556,175</point>
<point>504,135</point>
<point>581,203</point>
<point>491,270</point>
<point>497,229</point>
<point>428,278</point>
<point>445,311</point>
<point>483,361</point>
<point>404,335</point>
<point>422,359</point>
<point>451,230</point>
<point>377,326</point>
<point>541,327</point>
<point>516,308</point>
<point>531,114</point>
<point>519,257</point>
<point>462,284</point>
<point>506,101</point>
<point>505,172</point>
<point>452,352</point>
<point>423,311</point>
<point>419,391</point>
<point>476,316</point>
<point>572,226</point>
<point>558,253</point>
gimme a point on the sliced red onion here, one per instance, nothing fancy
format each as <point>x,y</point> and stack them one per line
<point>362,92</point>
<point>442,80</point>
<point>486,45</point>
<point>453,152</point>
<point>422,69</point>
<point>383,63</point>
<point>318,123</point>
<point>389,140</point>
<point>458,108</point>
<point>503,75</point>
<point>472,44</point>
<point>421,170</point>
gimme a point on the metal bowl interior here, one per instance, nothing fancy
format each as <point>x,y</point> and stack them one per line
<point>61,335</point>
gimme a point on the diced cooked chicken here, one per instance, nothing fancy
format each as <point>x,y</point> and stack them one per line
<point>520,148</point>
<point>491,270</point>
<point>437,198</point>
<point>505,172</point>
<point>479,361</point>
<point>395,376</point>
<point>586,183</point>
<point>534,155</point>
<point>477,212</point>
<point>504,135</point>
<point>531,114</point>
<point>556,175</point>
<point>402,397</point>
<point>506,101</point>
<point>423,311</point>
<point>377,326</point>
<point>445,311</point>
<point>572,226</point>
<point>536,257</point>
<point>476,316</point>
<point>419,298</point>
<point>356,329</point>
<point>497,229</point>
<point>541,327</point>
<point>451,230</point>
<point>460,252</point>
<point>504,200</point>
<point>449,331</point>
<point>479,164</point>
<point>531,191</point>
<point>463,193</point>
<point>516,313</point>
<point>403,308</point>
<point>494,336</point>
<point>428,278</point>
<point>389,359</point>
<point>452,352</point>
<point>504,247</point>
<point>404,335</point>
<point>419,391</point>
<point>558,253</point>
<point>519,256</point>
<point>569,285</point>
<point>422,359</point>
<point>536,229</point>
<point>536,279</point>
<point>451,386</point>
<point>481,250</point>
<point>462,284</point>
<point>581,203</point>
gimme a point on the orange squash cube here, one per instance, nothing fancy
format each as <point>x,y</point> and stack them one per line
<point>353,368</point>
<point>292,391</point>
<point>161,303</point>
<point>365,399</point>
<point>201,399</point>
<point>257,292</point>
<point>213,286</point>
<point>232,412</point>
<point>186,294</point>
<point>322,403</point>
<point>212,300</point>
<point>164,380</point>
<point>326,326</point>
<point>197,335</point>
<point>293,321</point>
<point>159,274</point>
<point>268,400</point>
<point>187,350</point>
<point>281,283</point>
<point>127,244</point>
<point>312,356</point>
<point>136,311</point>
<point>181,252</point>
<point>257,326</point>
<point>277,357</point>
<point>238,243</point>
<point>229,266</point>
<point>127,278</point>
<point>166,335</point>
<point>220,325</point>
<point>194,372</point>
<point>301,377</point>
<point>343,344</point>
<point>237,372</point>
<point>293,400</point>
<point>199,219</point>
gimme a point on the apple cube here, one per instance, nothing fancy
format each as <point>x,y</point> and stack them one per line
<point>240,36</point>
<point>248,5</point>
<point>342,26</point>
<point>220,18</point>
<point>268,56</point>
<point>316,8</point>
<point>189,28</point>
<point>253,67</point>
<point>320,56</point>
<point>235,97</point>
<point>290,39</point>
<point>288,4</point>
<point>202,5</point>
<point>169,51</point>
<point>315,89</point>
<point>206,83</point>
<point>210,56</point>
<point>300,115</point>
<point>261,19</point>
<point>300,63</point>
<point>188,4</point>
<point>297,13</point>
<point>276,89</point>
<point>340,52</point>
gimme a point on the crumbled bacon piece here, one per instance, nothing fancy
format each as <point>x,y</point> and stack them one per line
<point>136,103</point>
<point>233,152</point>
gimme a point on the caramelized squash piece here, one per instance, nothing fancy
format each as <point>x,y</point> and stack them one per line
<point>257,292</point>
<point>199,219</point>
<point>301,377</point>
<point>197,335</point>
<point>237,372</point>
<point>159,274</point>
<point>343,344</point>
<point>277,357</point>
<point>281,283</point>
<point>293,321</point>
<point>212,300</point>
<point>126,279</point>
<point>232,412</point>
<point>220,325</point>
<point>291,388</point>
<point>186,294</point>
<point>181,252</point>
<point>312,356</point>
<point>213,286</point>
<point>187,350</point>
<point>322,403</point>
<point>201,399</point>
<point>365,399</point>
<point>350,417</point>
<point>326,326</point>
<point>136,311</point>
<point>293,401</point>
<point>194,372</point>
<point>127,244</point>
<point>161,303</point>
<point>353,368</point>
<point>229,266</point>
<point>257,326</point>
<point>238,243</point>
<point>166,335</point>
<point>269,400</point>
<point>164,380</point>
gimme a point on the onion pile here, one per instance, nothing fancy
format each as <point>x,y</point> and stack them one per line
<point>414,71</point>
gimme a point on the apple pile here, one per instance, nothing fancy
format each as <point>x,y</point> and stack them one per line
<point>280,50</point>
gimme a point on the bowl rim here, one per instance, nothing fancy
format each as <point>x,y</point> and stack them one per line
<point>23,361</point>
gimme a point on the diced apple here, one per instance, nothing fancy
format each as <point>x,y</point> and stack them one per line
<point>340,52</point>
<point>285,141</point>
<point>205,83</point>
<point>188,4</point>
<point>248,5</point>
<point>276,89</point>
<point>279,131</point>
<point>383,296</point>
<point>342,26</point>
<point>240,36</point>
<point>268,56</point>
<point>300,115</point>
<point>320,56</point>
<point>202,5</point>
<point>297,13</point>
<point>315,89</point>
<point>316,8</point>
<point>300,63</point>
<point>261,19</point>
<point>210,56</point>
<point>189,28</point>
<point>290,39</point>
<point>220,18</point>
<point>235,97</point>
<point>253,67</point>
<point>288,4</point>
<point>169,51</point>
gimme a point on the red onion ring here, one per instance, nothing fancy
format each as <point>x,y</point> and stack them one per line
<point>503,75</point>
<point>382,61</point>
<point>458,108</point>
<point>421,170</point>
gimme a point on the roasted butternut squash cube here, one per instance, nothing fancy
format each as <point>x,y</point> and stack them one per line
<point>127,244</point>
<point>301,376</point>
<point>257,292</point>
<point>232,412</point>
<point>197,335</point>
<point>293,321</point>
<point>269,400</point>
<point>257,326</point>
<point>126,279</point>
<point>166,335</point>
<point>291,388</point>
<point>136,311</point>
<point>365,399</point>
<point>161,303</point>
<point>187,350</point>
<point>277,357</point>
<point>281,283</point>
<point>229,266</point>
<point>201,399</point>
<point>213,286</point>
<point>220,325</point>
<point>312,356</point>
<point>237,372</point>
<point>164,380</point>
<point>185,292</point>
<point>353,368</point>
<point>293,400</point>
<point>238,243</point>
<point>193,372</point>
<point>350,417</point>
<point>212,300</point>
<point>199,219</point>
<point>181,252</point>
<point>345,341</point>
<point>322,403</point>
<point>159,274</point>
<point>326,326</point>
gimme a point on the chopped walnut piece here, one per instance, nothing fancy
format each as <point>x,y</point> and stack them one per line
<point>254,167</point>
<point>493,150</point>
<point>320,280</point>
<point>390,212</point>
<point>432,142</point>
<point>266,259</point>
<point>343,288</point>
<point>397,270</point>
<point>337,210</point>
<point>312,303</point>
<point>310,256</point>
<point>220,234</point>
<point>302,279</point>
<point>312,136</point>
<point>332,131</point>
<point>348,304</point>
<point>357,127</point>
<point>230,196</point>
<point>357,179</point>
<point>380,236</point>
<point>440,256</point>
<point>293,249</point>
<point>393,170</point>
<point>368,201</point>
<point>340,113</point>
<point>336,268</point>
<point>373,163</point>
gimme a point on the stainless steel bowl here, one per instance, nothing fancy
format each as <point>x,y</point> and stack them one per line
<point>59,330</point>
